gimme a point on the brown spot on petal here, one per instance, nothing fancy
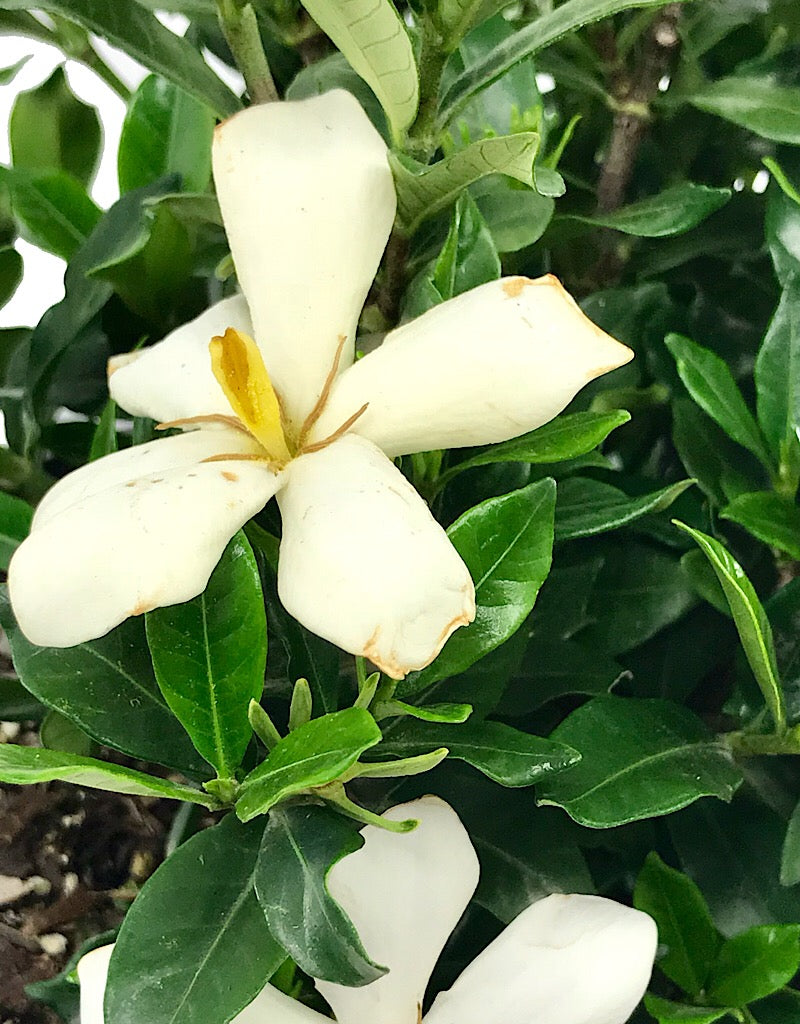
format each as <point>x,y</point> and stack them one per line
<point>514,285</point>
<point>131,483</point>
<point>230,476</point>
<point>141,607</point>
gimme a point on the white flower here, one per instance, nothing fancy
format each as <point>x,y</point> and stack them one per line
<point>565,960</point>
<point>308,203</point>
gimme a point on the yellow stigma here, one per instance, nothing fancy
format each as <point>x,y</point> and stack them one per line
<point>239,368</point>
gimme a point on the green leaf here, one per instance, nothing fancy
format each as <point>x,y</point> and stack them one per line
<point>107,687</point>
<point>53,210</point>
<point>166,130</point>
<point>301,844</point>
<point>104,439</point>
<point>758,104</point>
<point>667,1012</point>
<point>447,712</point>
<point>684,923</point>
<point>709,455</point>
<point>777,373</point>
<point>142,36</point>
<point>751,620</point>
<point>586,507</point>
<point>516,217</point>
<point>209,656</point>
<point>790,854</point>
<point>373,38</point>
<point>710,383</point>
<point>507,756</point>
<point>423,191</point>
<point>779,1008</point>
<point>333,72</point>
<point>59,733</point>
<point>671,212</point>
<point>565,437</point>
<point>639,759</point>
<point>194,947</point>
<point>25,766</point>
<point>11,270</point>
<point>51,130</point>
<point>506,543</point>
<point>468,257</point>
<point>15,522</point>
<point>782,225</point>
<point>768,516</point>
<point>755,964</point>
<point>542,32</point>
<point>8,74</point>
<point>313,755</point>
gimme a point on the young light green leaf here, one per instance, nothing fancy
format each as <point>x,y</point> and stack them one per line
<point>565,437</point>
<point>452,713</point>
<point>507,545</point>
<point>313,755</point>
<point>372,36</point>
<point>52,209</point>
<point>542,32</point>
<point>104,439</point>
<point>209,656</point>
<point>661,759</point>
<point>587,507</point>
<point>684,923</point>
<point>25,766</point>
<point>58,733</point>
<point>755,964</point>
<point>506,755</point>
<point>710,383</point>
<point>141,35</point>
<point>15,522</point>
<point>769,517</point>
<point>9,73</point>
<point>165,130</point>
<point>777,373</point>
<point>194,947</point>
<point>300,845</point>
<point>751,621</point>
<point>758,104</point>
<point>667,1012</point>
<point>671,212</point>
<point>423,191</point>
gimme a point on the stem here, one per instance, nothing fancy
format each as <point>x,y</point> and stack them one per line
<point>423,139</point>
<point>394,276</point>
<point>240,27</point>
<point>746,744</point>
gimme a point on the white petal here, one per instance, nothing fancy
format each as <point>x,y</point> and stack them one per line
<point>564,960</point>
<point>92,974</point>
<point>364,564</point>
<point>488,365</point>
<point>134,531</point>
<point>172,379</point>
<point>308,203</point>
<point>269,1007</point>
<point>405,894</point>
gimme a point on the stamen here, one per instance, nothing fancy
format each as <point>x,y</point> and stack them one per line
<point>274,464</point>
<point>322,401</point>
<point>319,445</point>
<point>229,421</point>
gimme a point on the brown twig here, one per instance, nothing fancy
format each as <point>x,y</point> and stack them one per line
<point>394,277</point>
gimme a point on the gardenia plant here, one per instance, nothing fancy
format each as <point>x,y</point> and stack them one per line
<point>362,561</point>
<point>567,959</point>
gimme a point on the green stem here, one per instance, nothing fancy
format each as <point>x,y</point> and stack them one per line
<point>240,27</point>
<point>423,140</point>
<point>756,744</point>
<point>335,795</point>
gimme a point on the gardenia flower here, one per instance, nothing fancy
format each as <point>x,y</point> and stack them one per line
<point>565,960</point>
<point>308,202</point>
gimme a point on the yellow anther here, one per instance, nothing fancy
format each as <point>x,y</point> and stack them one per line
<point>239,368</point>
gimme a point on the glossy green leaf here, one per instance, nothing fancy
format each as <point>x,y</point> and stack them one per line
<point>52,209</point>
<point>104,439</point>
<point>17,705</point>
<point>710,383</point>
<point>755,964</point>
<point>769,517</point>
<point>166,130</point>
<point>107,687</point>
<point>373,38</point>
<point>506,543</point>
<point>59,733</point>
<point>586,507</point>
<point>639,758</point>
<point>758,104</point>
<point>709,455</point>
<point>671,212</point>
<point>790,854</point>
<point>424,190</point>
<point>26,766</point>
<point>777,373</point>
<point>565,437</point>
<point>667,1012</point>
<point>506,755</point>
<point>15,522</point>
<point>142,36</point>
<point>751,621</point>
<point>209,656</point>
<point>313,755</point>
<point>52,130</point>
<point>301,844</point>
<point>684,923</point>
<point>542,32</point>
<point>452,713</point>
<point>11,270</point>
<point>194,947</point>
